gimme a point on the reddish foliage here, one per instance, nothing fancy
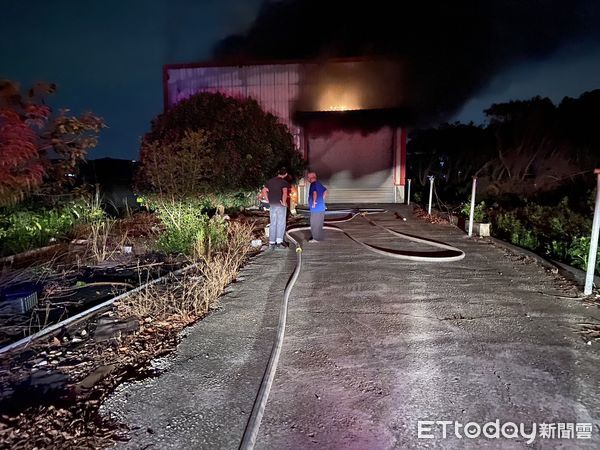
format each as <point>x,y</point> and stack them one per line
<point>37,148</point>
<point>21,169</point>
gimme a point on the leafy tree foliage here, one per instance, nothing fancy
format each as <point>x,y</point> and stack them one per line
<point>38,149</point>
<point>528,148</point>
<point>531,152</point>
<point>452,153</point>
<point>214,143</point>
<point>178,168</point>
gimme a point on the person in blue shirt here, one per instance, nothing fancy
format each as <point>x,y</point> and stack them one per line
<point>317,195</point>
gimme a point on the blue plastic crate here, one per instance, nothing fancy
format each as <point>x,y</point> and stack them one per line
<point>19,299</point>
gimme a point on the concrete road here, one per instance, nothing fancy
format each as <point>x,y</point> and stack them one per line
<point>205,395</point>
<point>375,345</point>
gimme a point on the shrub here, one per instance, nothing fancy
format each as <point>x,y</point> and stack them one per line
<point>24,229</point>
<point>231,200</point>
<point>184,224</point>
<point>179,168</point>
<point>211,143</point>
<point>417,196</point>
<point>190,296</point>
<point>210,202</point>
<point>188,229</point>
<point>212,237</point>
<point>557,231</point>
<point>578,252</point>
<point>510,225</point>
<point>479,214</point>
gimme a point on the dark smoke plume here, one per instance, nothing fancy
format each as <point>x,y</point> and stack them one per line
<point>450,48</point>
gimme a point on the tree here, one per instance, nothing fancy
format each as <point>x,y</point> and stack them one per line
<point>529,148</point>
<point>452,153</point>
<point>179,168</point>
<point>39,149</point>
<point>224,144</point>
<point>578,118</point>
<point>533,155</point>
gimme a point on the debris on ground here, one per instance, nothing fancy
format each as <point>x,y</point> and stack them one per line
<point>50,393</point>
<point>434,217</point>
<point>589,332</point>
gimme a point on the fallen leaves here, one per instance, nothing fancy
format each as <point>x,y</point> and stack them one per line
<point>421,214</point>
<point>77,374</point>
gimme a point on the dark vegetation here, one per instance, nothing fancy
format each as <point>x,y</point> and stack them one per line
<point>534,164</point>
<point>212,144</point>
<point>201,164</point>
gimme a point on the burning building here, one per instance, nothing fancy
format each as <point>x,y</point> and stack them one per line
<point>347,116</point>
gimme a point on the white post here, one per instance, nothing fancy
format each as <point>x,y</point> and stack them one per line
<point>408,195</point>
<point>472,212</point>
<point>430,193</point>
<point>591,262</point>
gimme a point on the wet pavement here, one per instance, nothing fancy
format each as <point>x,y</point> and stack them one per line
<point>373,346</point>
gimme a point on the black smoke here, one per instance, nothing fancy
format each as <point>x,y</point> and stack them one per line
<point>451,48</point>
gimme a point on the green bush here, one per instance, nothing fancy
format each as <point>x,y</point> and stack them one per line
<point>26,228</point>
<point>557,232</point>
<point>578,252</point>
<point>229,201</point>
<point>509,225</point>
<point>479,214</point>
<point>187,228</point>
<point>214,143</point>
<point>417,196</point>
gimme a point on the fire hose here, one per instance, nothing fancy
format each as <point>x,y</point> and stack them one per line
<point>448,253</point>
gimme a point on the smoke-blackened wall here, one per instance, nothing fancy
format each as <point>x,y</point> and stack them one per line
<point>449,49</point>
<point>352,85</point>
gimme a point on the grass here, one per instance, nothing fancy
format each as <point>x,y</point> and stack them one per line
<point>194,293</point>
<point>29,226</point>
<point>164,309</point>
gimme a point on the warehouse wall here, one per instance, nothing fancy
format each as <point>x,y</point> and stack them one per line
<point>276,87</point>
<point>359,163</point>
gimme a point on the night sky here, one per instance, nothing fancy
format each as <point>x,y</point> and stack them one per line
<point>107,56</point>
<point>570,71</point>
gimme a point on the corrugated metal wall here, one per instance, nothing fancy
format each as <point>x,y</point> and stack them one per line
<point>275,87</point>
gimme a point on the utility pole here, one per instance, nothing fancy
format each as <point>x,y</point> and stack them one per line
<point>431,177</point>
<point>472,213</point>
<point>591,262</point>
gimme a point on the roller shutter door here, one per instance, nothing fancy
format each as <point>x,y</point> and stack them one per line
<point>355,166</point>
